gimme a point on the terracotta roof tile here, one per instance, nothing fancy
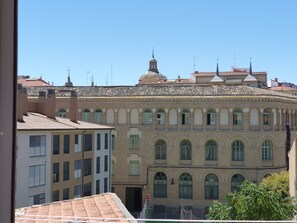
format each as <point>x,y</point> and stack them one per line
<point>99,208</point>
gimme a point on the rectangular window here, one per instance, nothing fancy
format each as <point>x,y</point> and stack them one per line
<point>134,142</point>
<point>37,146</point>
<point>160,118</point>
<point>56,144</point>
<point>147,118</point>
<point>106,141</point>
<point>77,168</point>
<point>66,144</point>
<point>134,168</point>
<point>105,184</point>
<point>65,193</point>
<point>77,143</point>
<point>185,118</point>
<point>87,189</point>
<point>97,186</point>
<point>98,141</point>
<point>105,163</point>
<point>66,171</point>
<point>237,118</point>
<point>77,191</point>
<point>88,167</point>
<point>56,195</point>
<point>88,142</point>
<point>56,171</point>
<point>36,175</point>
<point>98,164</point>
<point>211,118</point>
<point>39,199</point>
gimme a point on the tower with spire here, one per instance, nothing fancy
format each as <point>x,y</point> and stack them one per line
<point>153,66</point>
<point>68,83</point>
<point>250,79</point>
<point>217,78</point>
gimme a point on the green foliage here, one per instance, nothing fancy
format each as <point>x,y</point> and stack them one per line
<point>267,201</point>
<point>279,182</point>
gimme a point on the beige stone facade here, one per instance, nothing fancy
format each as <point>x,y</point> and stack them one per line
<point>209,136</point>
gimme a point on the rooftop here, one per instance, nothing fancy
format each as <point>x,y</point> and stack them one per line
<point>96,208</point>
<point>35,121</point>
<point>161,90</point>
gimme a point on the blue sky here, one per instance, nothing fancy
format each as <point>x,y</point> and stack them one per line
<point>113,40</point>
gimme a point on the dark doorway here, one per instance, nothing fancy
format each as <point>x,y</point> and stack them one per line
<point>134,200</point>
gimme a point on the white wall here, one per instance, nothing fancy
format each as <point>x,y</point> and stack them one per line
<point>24,194</point>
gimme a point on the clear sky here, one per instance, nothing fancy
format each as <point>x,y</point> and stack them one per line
<point>113,40</point>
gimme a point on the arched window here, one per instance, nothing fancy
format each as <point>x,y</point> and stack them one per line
<point>86,115</point>
<point>237,151</point>
<point>98,116</point>
<point>185,150</point>
<point>266,117</point>
<point>211,187</point>
<point>237,116</point>
<point>160,185</point>
<point>160,117</point>
<point>147,117</point>
<point>62,113</point>
<point>211,117</point>
<point>211,152</point>
<point>267,150</point>
<point>236,181</point>
<point>185,186</point>
<point>185,117</point>
<point>160,147</point>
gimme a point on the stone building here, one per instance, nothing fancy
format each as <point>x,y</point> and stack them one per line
<point>187,142</point>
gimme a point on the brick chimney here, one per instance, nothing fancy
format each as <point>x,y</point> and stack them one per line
<point>41,103</point>
<point>20,104</point>
<point>73,107</point>
<point>50,106</point>
<point>25,101</point>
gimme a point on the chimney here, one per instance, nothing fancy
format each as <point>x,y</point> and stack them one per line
<point>73,107</point>
<point>51,104</point>
<point>20,104</point>
<point>25,101</point>
<point>41,102</point>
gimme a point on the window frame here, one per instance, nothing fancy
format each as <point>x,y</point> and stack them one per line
<point>160,185</point>
<point>237,117</point>
<point>160,149</point>
<point>267,150</point>
<point>39,148</point>
<point>211,150</point>
<point>147,117</point>
<point>185,186</point>
<point>211,117</point>
<point>237,151</point>
<point>185,117</point>
<point>185,150</point>
<point>160,117</point>
<point>211,187</point>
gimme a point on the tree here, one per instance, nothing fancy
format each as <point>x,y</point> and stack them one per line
<point>279,182</point>
<point>265,201</point>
